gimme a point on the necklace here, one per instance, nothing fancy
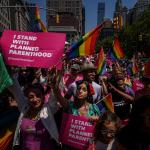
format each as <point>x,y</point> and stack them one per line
<point>37,117</point>
<point>33,115</point>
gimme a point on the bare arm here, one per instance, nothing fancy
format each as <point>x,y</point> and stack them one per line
<point>63,101</point>
<point>128,97</point>
<point>55,79</point>
<point>104,87</point>
<point>18,94</point>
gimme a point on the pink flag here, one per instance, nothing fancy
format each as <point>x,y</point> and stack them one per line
<point>91,147</point>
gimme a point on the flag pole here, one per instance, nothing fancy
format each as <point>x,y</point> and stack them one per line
<point>102,99</point>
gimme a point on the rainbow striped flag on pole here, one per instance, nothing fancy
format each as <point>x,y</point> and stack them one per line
<point>85,45</point>
<point>5,139</point>
<point>118,51</point>
<point>39,21</point>
<point>135,69</point>
<point>107,102</point>
<point>101,62</point>
<point>111,56</point>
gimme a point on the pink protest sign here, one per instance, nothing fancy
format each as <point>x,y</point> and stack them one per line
<point>76,131</point>
<point>137,85</point>
<point>34,49</point>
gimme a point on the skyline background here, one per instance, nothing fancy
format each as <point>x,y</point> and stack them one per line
<point>90,10</point>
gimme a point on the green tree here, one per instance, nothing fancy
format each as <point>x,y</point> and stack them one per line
<point>106,43</point>
<point>129,36</point>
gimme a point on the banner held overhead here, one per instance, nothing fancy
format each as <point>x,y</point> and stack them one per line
<point>32,49</point>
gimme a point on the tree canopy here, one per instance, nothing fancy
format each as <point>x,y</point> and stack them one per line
<point>129,36</point>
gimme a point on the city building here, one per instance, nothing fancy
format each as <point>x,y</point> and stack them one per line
<point>19,16</point>
<point>83,20</point>
<point>71,10</point>
<point>124,15</point>
<point>67,24</point>
<point>32,24</point>
<point>108,30</point>
<point>100,12</point>
<point>5,22</point>
<point>118,15</point>
<point>15,18</point>
<point>138,10</point>
<point>118,8</point>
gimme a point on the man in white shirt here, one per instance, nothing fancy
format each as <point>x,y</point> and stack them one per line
<point>89,72</point>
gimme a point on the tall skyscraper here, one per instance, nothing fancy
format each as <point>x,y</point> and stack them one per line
<point>118,8</point>
<point>4,16</point>
<point>138,10</point>
<point>55,7</point>
<point>118,15</point>
<point>31,15</point>
<point>19,16</point>
<point>100,12</point>
<point>140,6</point>
<point>14,18</point>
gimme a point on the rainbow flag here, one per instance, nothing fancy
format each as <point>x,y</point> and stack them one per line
<point>37,13</point>
<point>40,23</point>
<point>118,51</point>
<point>107,102</point>
<point>91,146</point>
<point>85,45</point>
<point>6,139</point>
<point>127,81</point>
<point>101,62</point>
<point>111,56</point>
<point>135,69</point>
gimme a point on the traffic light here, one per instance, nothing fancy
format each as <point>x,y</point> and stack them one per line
<point>121,22</point>
<point>116,23</point>
<point>57,18</point>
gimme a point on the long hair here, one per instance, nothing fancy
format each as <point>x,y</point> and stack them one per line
<point>108,116</point>
<point>36,88</point>
<point>89,95</point>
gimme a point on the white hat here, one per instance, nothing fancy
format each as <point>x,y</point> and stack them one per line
<point>88,66</point>
<point>75,66</point>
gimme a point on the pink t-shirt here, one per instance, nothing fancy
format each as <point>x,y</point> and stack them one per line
<point>35,135</point>
<point>137,85</point>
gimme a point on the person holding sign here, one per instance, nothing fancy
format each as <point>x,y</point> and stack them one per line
<point>82,104</point>
<point>36,128</point>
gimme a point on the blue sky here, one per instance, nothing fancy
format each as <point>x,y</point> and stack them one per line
<point>91,10</point>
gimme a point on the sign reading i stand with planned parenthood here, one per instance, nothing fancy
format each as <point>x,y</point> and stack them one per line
<point>76,131</point>
<point>33,49</point>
